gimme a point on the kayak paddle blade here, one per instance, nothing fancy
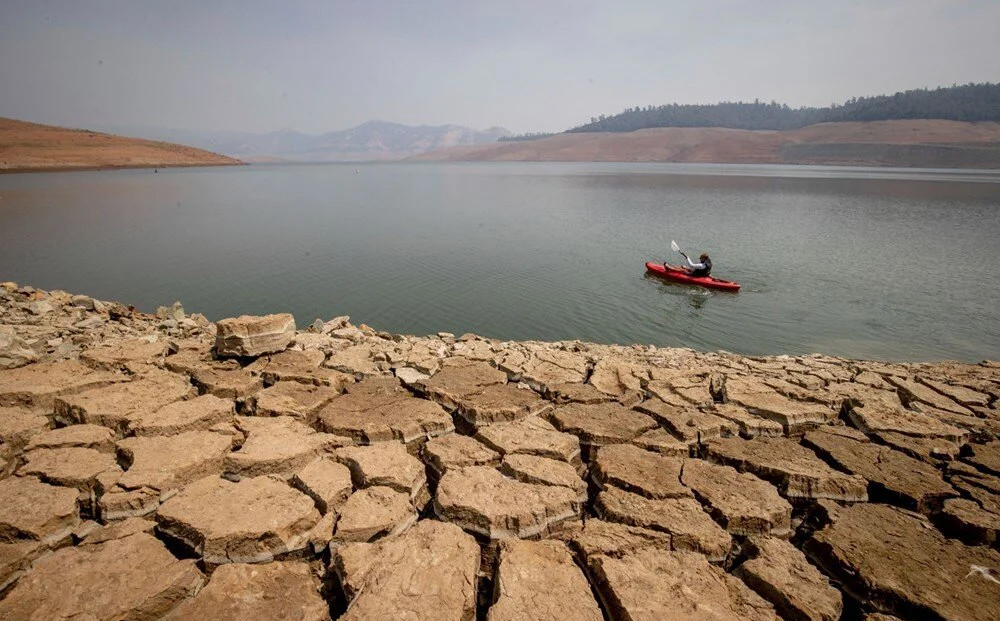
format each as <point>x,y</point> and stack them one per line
<point>674,246</point>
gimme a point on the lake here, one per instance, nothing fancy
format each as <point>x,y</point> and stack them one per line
<point>869,263</point>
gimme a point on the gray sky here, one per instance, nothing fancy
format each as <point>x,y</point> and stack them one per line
<point>526,65</point>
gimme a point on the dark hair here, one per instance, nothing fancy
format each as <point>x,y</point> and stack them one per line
<point>703,256</point>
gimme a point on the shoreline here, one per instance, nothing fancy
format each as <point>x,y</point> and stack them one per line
<point>44,169</point>
<point>199,460</point>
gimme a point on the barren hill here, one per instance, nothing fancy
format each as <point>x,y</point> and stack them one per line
<point>31,146</point>
<point>919,143</point>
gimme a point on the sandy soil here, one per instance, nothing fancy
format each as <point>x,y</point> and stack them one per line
<point>29,146</point>
<point>903,143</point>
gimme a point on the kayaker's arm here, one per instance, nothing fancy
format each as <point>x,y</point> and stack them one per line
<point>693,265</point>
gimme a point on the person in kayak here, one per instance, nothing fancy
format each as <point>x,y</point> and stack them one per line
<point>702,268</point>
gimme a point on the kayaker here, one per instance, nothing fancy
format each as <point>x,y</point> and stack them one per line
<point>702,268</point>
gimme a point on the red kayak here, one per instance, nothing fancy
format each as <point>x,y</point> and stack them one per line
<point>678,275</point>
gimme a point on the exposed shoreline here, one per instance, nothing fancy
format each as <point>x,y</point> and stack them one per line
<point>205,463</point>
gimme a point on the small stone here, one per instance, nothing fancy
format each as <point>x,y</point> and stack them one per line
<point>483,501</point>
<point>372,513</point>
<point>116,530</point>
<point>252,336</point>
<point>247,522</point>
<point>14,351</point>
<point>40,307</point>
<point>538,580</point>
<point>410,376</point>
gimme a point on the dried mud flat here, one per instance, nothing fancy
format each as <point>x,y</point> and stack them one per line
<point>161,466</point>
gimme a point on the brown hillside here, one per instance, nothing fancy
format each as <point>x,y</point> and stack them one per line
<point>930,143</point>
<point>30,146</point>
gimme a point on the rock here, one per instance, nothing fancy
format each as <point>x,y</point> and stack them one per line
<point>654,584</point>
<point>119,354</point>
<point>544,471</point>
<point>83,301</point>
<point>531,436</point>
<point>387,464</point>
<point>14,351</point>
<point>546,368</point>
<point>538,580</point>
<point>794,469</point>
<point>302,367</point>
<point>749,425</point>
<point>372,513</point>
<point>138,579</point>
<point>689,526</point>
<point>39,384</point>
<point>379,410</point>
<point>17,428</point>
<point>279,445</point>
<point>248,335</point>
<point>200,413</point>
<point>300,401</point>
<point>500,403</point>
<point>901,565</point>
<point>94,437</point>
<point>483,501</point>
<point>927,449</point>
<point>30,509</point>
<point>642,472</point>
<point>614,539</point>
<point>780,573</point>
<point>622,381</point>
<point>116,407</point>
<point>969,521</point>
<point>891,475</point>
<point>910,391</point>
<point>879,418</point>
<point>89,471</point>
<point>659,441</point>
<point>601,424</point>
<point>276,591</point>
<point>740,502</point>
<point>958,394</point>
<point>429,573</point>
<point>227,384</point>
<point>117,530</point>
<point>40,307</point>
<point>410,376</point>
<point>166,463</point>
<point>252,521</point>
<point>457,451</point>
<point>15,558</point>
<point>356,359</point>
<point>794,416</point>
<point>986,457</point>
<point>456,380</point>
<point>327,482</point>
<point>577,393</point>
<point>690,425</point>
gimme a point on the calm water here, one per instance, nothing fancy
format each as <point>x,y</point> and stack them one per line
<point>869,263</point>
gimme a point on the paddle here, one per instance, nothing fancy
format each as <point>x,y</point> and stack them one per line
<point>676,248</point>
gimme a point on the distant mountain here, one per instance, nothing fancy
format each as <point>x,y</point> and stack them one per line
<point>374,140</point>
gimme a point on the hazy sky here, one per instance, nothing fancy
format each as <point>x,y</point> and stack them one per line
<point>526,65</point>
